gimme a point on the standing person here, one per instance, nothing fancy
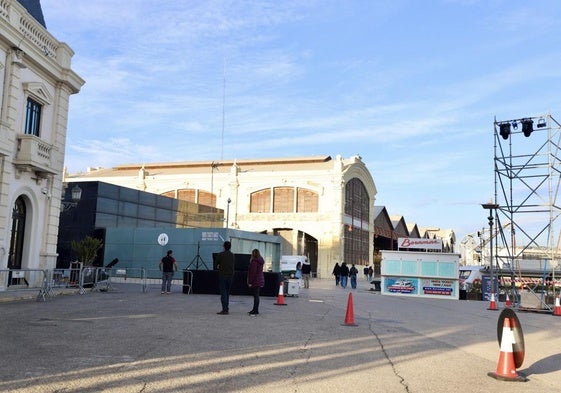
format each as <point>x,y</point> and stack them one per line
<point>255,279</point>
<point>352,274</point>
<point>337,273</point>
<point>298,274</point>
<point>167,267</point>
<point>344,274</point>
<point>225,264</point>
<point>365,271</point>
<point>370,274</point>
<point>306,271</point>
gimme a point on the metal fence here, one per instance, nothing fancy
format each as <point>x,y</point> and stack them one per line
<point>49,283</point>
<point>25,280</point>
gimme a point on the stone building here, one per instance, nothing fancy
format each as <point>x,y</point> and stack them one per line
<point>320,206</point>
<point>36,81</point>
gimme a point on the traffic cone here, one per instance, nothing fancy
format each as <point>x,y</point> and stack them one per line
<point>506,369</point>
<point>350,316</point>
<point>280,298</point>
<point>492,303</point>
<point>508,303</point>
<point>557,308</point>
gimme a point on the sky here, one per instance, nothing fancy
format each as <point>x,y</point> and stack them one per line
<point>412,86</point>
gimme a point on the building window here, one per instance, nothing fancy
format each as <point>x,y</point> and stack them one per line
<point>307,201</point>
<point>357,211</point>
<point>283,200</point>
<point>261,201</point>
<point>32,117</point>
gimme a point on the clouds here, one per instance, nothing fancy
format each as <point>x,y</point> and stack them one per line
<point>413,87</point>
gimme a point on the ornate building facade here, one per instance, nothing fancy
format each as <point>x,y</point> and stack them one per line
<point>36,81</point>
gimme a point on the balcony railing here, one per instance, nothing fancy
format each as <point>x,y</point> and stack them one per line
<point>33,154</point>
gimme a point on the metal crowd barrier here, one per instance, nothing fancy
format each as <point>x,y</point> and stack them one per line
<point>153,280</point>
<point>25,280</point>
<point>48,282</point>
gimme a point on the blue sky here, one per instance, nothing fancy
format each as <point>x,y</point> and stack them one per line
<point>412,86</point>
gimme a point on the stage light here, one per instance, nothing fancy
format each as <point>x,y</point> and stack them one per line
<point>514,125</point>
<point>504,130</point>
<point>541,123</point>
<point>527,126</point>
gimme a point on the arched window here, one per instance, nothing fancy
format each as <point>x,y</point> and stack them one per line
<point>357,213</point>
<point>260,201</point>
<point>284,200</point>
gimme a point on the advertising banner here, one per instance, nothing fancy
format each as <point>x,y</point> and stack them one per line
<point>424,244</point>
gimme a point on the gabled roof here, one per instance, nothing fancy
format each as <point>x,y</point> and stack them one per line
<point>399,225</point>
<point>413,230</point>
<point>382,223</point>
<point>34,8</point>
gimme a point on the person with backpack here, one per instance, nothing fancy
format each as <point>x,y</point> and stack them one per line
<point>167,267</point>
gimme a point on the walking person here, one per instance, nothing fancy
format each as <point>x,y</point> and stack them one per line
<point>344,274</point>
<point>225,264</point>
<point>167,267</point>
<point>365,272</point>
<point>352,274</point>
<point>370,274</point>
<point>337,273</point>
<point>255,279</point>
<point>306,271</point>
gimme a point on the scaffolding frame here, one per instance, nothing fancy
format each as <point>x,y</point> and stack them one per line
<point>527,167</point>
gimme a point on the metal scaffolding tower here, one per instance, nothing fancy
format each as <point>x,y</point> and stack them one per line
<point>527,165</point>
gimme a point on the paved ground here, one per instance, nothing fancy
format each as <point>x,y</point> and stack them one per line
<point>127,341</point>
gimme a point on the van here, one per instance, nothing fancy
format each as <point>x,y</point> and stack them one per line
<point>288,263</point>
<point>468,275</point>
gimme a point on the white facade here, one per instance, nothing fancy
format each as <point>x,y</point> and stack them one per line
<point>319,231</point>
<point>36,81</point>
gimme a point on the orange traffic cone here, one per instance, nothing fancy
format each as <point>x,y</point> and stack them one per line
<point>492,303</point>
<point>350,316</point>
<point>506,369</point>
<point>508,303</point>
<point>280,298</point>
<point>557,308</point>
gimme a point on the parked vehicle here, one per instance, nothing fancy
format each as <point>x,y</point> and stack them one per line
<point>288,263</point>
<point>468,275</point>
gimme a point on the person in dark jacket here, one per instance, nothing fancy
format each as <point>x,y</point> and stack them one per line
<point>167,267</point>
<point>255,279</point>
<point>225,262</point>
<point>306,271</point>
<point>337,273</point>
<point>344,274</point>
<point>353,272</point>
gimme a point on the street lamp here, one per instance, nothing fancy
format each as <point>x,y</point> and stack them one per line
<point>76,194</point>
<point>491,207</point>
<point>228,212</point>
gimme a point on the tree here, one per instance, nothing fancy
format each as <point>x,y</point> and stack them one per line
<point>86,249</point>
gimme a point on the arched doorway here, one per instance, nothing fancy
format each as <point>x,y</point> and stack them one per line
<point>295,242</point>
<point>17,234</point>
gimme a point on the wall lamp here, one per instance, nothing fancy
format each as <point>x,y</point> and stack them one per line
<point>76,194</point>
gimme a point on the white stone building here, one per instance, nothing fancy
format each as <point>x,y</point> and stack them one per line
<point>321,207</point>
<point>36,81</point>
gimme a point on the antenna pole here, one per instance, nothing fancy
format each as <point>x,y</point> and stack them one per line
<point>223,110</point>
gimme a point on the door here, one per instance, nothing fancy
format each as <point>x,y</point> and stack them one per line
<point>17,234</point>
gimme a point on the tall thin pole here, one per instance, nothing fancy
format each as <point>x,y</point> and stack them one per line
<point>223,110</point>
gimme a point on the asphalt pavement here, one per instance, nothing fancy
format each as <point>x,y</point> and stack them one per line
<point>124,340</point>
